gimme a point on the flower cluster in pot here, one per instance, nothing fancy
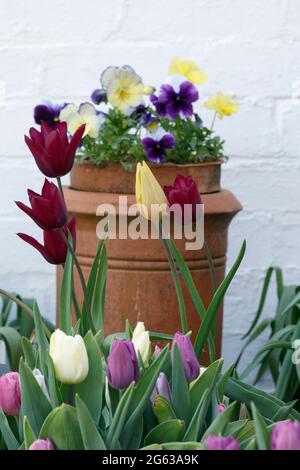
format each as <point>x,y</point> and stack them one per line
<point>114,392</point>
<point>128,121</point>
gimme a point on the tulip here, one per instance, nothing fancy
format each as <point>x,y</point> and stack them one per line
<point>221,407</point>
<point>69,357</point>
<point>51,149</point>
<point>41,381</point>
<point>149,193</point>
<point>184,191</point>
<point>221,443</point>
<point>286,435</point>
<point>141,342</point>
<point>157,351</point>
<point>122,364</point>
<point>10,393</point>
<point>42,444</point>
<point>48,209</point>
<point>54,249</point>
<point>189,360</point>
<point>162,388</point>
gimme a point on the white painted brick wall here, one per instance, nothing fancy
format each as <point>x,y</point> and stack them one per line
<point>249,48</point>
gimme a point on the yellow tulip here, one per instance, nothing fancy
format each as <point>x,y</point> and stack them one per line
<point>141,342</point>
<point>69,357</point>
<point>223,105</point>
<point>149,194</point>
<point>188,69</point>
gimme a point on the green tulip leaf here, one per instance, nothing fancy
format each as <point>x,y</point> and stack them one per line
<point>12,340</point>
<point>62,428</point>
<point>198,419</point>
<point>119,419</point>
<point>180,389</point>
<point>91,437</point>
<point>29,436</point>
<point>7,434</point>
<point>29,353</point>
<point>261,430</point>
<point>163,409</point>
<point>219,424</point>
<point>168,431</point>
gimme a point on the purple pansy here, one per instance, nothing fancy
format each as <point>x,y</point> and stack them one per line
<point>99,96</point>
<point>171,103</point>
<point>156,146</point>
<point>48,113</point>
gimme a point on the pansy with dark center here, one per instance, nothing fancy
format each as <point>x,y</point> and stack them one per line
<point>48,113</point>
<point>157,146</point>
<point>171,103</point>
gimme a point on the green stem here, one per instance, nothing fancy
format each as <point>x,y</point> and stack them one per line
<point>24,307</point>
<point>58,179</point>
<point>82,281</point>
<point>213,121</point>
<point>177,284</point>
<point>211,267</point>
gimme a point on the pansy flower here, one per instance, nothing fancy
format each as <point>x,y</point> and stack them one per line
<point>188,69</point>
<point>175,99</point>
<point>223,105</point>
<point>124,87</point>
<point>48,113</point>
<point>85,114</point>
<point>156,145</point>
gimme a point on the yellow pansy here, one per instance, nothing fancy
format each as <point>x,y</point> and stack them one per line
<point>188,69</point>
<point>124,87</point>
<point>222,104</point>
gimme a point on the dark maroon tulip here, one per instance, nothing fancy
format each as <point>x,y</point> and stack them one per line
<point>188,356</point>
<point>48,209</point>
<point>221,443</point>
<point>122,364</point>
<point>51,149</point>
<point>162,388</point>
<point>184,191</point>
<point>286,435</point>
<point>42,444</point>
<point>54,249</point>
<point>10,393</point>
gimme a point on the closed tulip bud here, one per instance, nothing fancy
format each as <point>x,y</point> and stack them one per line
<point>221,407</point>
<point>41,381</point>
<point>188,356</point>
<point>122,364</point>
<point>162,388</point>
<point>51,149</point>
<point>150,197</point>
<point>10,393</point>
<point>157,351</point>
<point>141,342</point>
<point>183,193</point>
<point>42,444</point>
<point>54,249</point>
<point>69,357</point>
<point>221,443</point>
<point>286,435</point>
<point>48,209</point>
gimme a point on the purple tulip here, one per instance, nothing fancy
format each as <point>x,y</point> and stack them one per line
<point>157,351</point>
<point>286,435</point>
<point>10,393</point>
<point>122,364</point>
<point>48,209</point>
<point>184,191</point>
<point>188,356</point>
<point>162,388</point>
<point>42,444</point>
<point>51,149</point>
<point>221,443</point>
<point>221,408</point>
<point>171,103</point>
<point>54,249</point>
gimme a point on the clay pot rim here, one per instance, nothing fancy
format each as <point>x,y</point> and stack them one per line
<point>151,164</point>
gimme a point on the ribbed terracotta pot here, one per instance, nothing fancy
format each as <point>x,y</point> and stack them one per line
<point>139,284</point>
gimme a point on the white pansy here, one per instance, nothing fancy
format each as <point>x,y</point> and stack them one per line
<point>85,114</point>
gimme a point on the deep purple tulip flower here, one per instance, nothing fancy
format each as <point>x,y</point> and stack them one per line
<point>10,393</point>
<point>48,209</point>
<point>286,435</point>
<point>162,388</point>
<point>188,356</point>
<point>221,443</point>
<point>51,149</point>
<point>54,249</point>
<point>122,364</point>
<point>48,113</point>
<point>99,96</point>
<point>184,191</point>
<point>42,444</point>
<point>156,148</point>
<point>170,103</point>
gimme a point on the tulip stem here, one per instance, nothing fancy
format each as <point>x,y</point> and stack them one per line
<point>213,121</point>
<point>58,179</point>
<point>24,307</point>
<point>177,284</point>
<point>211,267</point>
<point>82,281</point>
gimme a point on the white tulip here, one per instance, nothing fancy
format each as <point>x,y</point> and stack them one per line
<point>141,342</point>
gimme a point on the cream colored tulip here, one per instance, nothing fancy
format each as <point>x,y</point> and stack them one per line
<point>141,342</point>
<point>69,357</point>
<point>149,194</point>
